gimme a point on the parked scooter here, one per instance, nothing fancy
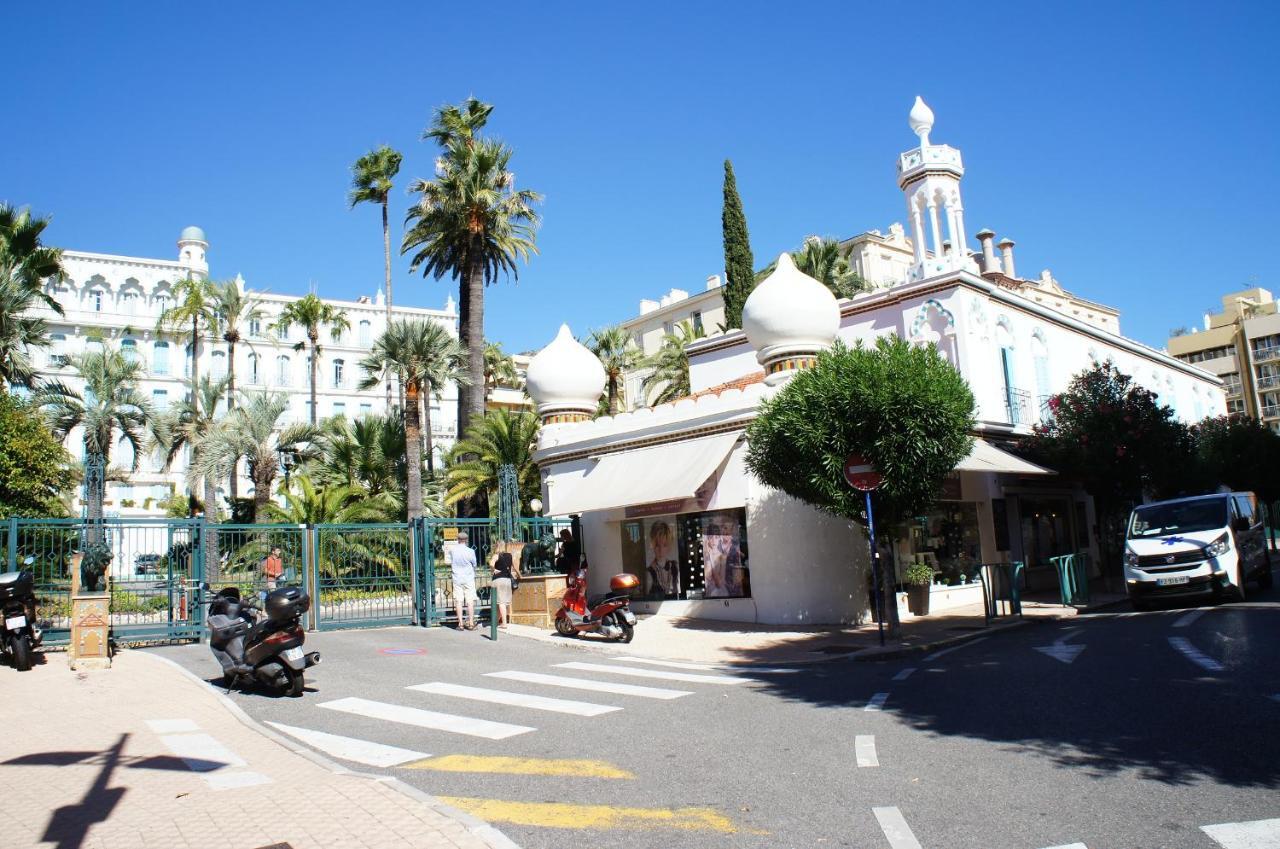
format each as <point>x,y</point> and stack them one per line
<point>262,644</point>
<point>608,615</point>
<point>19,636</point>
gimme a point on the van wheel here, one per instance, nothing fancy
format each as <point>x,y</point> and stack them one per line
<point>1238,592</point>
<point>1265,581</point>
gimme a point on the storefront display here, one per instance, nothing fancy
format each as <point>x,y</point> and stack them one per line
<point>689,556</point>
<point>946,539</point>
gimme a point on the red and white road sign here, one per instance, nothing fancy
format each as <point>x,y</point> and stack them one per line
<point>860,474</point>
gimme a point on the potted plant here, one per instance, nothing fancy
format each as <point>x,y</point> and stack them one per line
<point>918,577</point>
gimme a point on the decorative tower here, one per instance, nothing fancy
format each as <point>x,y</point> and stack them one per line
<point>929,176</point>
<point>565,380</point>
<point>788,318</point>
<point>191,250</point>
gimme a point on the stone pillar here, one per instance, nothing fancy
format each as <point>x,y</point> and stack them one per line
<point>935,229</point>
<point>90,623</point>
<point>917,232</point>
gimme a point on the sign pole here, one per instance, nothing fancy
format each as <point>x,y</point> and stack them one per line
<point>875,567</point>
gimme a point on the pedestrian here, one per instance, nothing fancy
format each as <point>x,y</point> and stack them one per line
<point>505,574</point>
<point>272,567</point>
<point>570,553</point>
<point>462,563</point>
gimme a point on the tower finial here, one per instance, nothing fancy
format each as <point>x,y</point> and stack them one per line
<point>921,120</point>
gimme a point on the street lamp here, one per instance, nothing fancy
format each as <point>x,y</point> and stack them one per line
<point>286,463</point>
<point>535,504</point>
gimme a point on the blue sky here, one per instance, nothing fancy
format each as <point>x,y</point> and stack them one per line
<point>1130,148</point>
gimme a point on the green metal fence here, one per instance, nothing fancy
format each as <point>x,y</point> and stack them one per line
<point>363,575</point>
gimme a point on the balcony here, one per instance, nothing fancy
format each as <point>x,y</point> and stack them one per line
<point>1017,407</point>
<point>1235,388</point>
<point>1270,352</point>
<point>1269,381</point>
<point>1271,411</point>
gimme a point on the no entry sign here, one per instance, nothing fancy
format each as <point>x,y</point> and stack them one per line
<point>860,474</point>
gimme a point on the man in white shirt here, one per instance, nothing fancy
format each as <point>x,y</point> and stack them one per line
<point>462,562</point>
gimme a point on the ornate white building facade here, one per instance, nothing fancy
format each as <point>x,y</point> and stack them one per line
<point>116,301</point>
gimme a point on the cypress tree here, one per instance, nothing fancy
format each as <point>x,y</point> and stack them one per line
<point>738,263</point>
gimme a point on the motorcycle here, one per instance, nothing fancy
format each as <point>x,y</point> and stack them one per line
<point>262,644</point>
<point>20,636</point>
<point>608,615</point>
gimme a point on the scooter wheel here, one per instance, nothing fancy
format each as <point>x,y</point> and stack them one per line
<point>628,631</point>
<point>564,629</point>
<point>21,652</point>
<point>295,683</point>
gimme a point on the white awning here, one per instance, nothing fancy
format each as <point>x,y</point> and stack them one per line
<point>668,472</point>
<point>985,457</point>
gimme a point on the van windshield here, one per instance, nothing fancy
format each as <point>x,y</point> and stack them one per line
<point>1157,520</point>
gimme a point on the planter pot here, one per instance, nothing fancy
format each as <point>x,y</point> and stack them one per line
<point>918,600</point>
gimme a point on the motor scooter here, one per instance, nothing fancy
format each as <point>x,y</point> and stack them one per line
<point>608,615</point>
<point>19,634</point>
<point>262,644</point>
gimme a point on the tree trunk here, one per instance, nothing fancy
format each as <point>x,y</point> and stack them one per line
<point>613,396</point>
<point>315,364</point>
<point>386,251</point>
<point>195,392</point>
<point>233,485</point>
<point>210,542</point>
<point>474,394</point>
<point>413,450</point>
<point>428,439</point>
<point>262,480</point>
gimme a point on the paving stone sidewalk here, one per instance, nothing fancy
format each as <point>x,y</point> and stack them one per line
<point>142,755</point>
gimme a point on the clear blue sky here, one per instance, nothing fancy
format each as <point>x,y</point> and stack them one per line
<point>1131,149</point>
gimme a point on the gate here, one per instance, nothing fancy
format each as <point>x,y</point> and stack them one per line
<point>362,575</point>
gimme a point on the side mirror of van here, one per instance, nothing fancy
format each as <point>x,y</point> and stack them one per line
<point>1240,524</point>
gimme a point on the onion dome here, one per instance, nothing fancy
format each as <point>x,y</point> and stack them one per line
<point>565,380</point>
<point>788,319</point>
<point>921,120</point>
<point>192,234</point>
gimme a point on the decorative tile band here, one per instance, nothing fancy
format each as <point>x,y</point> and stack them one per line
<point>790,364</point>
<point>565,418</point>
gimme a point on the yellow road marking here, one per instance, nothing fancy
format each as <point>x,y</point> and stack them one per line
<point>562,815</point>
<point>520,766</point>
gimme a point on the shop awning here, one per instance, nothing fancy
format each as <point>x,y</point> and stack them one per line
<point>985,457</point>
<point>669,472</point>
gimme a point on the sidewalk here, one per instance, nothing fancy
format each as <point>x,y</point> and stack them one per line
<point>141,756</point>
<point>713,642</point>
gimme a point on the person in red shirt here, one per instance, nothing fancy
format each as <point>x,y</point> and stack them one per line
<point>273,567</point>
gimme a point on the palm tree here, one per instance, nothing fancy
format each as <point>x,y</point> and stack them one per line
<point>24,265</point>
<point>311,313</point>
<point>371,182</point>
<point>193,306</point>
<point>500,438</point>
<point>253,432</point>
<point>824,261</point>
<point>423,355</point>
<point>109,404</point>
<point>670,365</point>
<point>189,425</point>
<point>618,353</point>
<point>232,309</point>
<point>308,504</point>
<point>369,452</point>
<point>472,224</point>
<point>499,368</point>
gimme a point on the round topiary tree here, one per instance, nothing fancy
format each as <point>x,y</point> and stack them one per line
<point>905,408</point>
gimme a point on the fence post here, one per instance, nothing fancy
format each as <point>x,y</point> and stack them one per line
<point>13,543</point>
<point>310,578</point>
<point>493,613</point>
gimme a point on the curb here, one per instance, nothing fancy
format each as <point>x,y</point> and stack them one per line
<point>481,830</point>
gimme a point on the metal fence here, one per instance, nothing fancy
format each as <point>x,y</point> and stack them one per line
<point>363,575</point>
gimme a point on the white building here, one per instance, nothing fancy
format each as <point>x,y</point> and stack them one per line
<point>663,492</point>
<point>117,301</point>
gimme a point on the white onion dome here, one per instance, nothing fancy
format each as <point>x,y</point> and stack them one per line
<point>565,380</point>
<point>788,319</point>
<point>192,234</point>
<point>921,119</point>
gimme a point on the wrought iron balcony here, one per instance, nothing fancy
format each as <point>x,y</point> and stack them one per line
<point>1017,407</point>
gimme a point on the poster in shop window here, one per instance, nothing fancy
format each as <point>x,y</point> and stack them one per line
<point>723,559</point>
<point>662,569</point>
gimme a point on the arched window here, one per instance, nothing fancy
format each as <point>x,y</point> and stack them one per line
<point>160,399</point>
<point>339,366</point>
<point>129,302</point>
<point>219,365</point>
<point>282,370</point>
<point>57,349</point>
<point>129,349</point>
<point>160,358</point>
<point>253,369</point>
<point>1040,361</point>
<point>366,333</point>
<point>1013,398</point>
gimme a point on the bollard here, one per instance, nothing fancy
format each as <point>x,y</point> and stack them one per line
<point>493,614</point>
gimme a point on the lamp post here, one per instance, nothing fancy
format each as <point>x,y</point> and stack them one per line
<point>286,463</point>
<point>535,504</point>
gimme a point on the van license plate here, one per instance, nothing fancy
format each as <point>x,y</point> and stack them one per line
<point>293,654</point>
<point>1173,581</point>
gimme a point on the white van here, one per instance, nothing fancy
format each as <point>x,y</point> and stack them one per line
<point>1206,545</point>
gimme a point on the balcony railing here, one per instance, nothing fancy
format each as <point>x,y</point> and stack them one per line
<point>1270,352</point>
<point>1017,407</point>
<point>1269,381</point>
<point>1235,388</point>
<point>1271,412</point>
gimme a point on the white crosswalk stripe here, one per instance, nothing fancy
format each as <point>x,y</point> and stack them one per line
<point>1194,654</point>
<point>864,750</point>
<point>904,674</point>
<point>877,701</point>
<point>592,686</point>
<point>654,673</point>
<point>427,718</point>
<point>1070,846</point>
<point>1259,834</point>
<point>350,748</point>
<point>503,697</point>
<point>895,828</point>
<point>706,667</point>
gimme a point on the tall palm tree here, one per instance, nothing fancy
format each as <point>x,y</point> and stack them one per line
<point>312,314</point>
<point>472,224</point>
<point>670,364</point>
<point>253,432</point>
<point>109,404</point>
<point>24,265</point>
<point>189,425</point>
<point>372,178</point>
<point>233,308</point>
<point>420,352</point>
<point>193,308</point>
<point>305,503</point>
<point>502,437</point>
<point>618,353</point>
<point>369,452</point>
<point>824,261</point>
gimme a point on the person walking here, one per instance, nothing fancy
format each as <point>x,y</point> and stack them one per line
<point>272,567</point>
<point>505,575</point>
<point>462,563</point>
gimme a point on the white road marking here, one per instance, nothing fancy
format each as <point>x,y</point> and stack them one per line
<point>502,697</point>
<point>593,686</point>
<point>938,654</point>
<point>904,674</point>
<point>895,828</point>
<point>427,718</point>
<point>864,750</point>
<point>654,673</point>
<point>200,752</point>
<point>1060,651</point>
<point>704,667</point>
<point>1259,834</point>
<point>235,778</point>
<point>1187,618</point>
<point>877,701</point>
<point>172,726</point>
<point>1194,654</point>
<point>1070,846</point>
<point>351,749</point>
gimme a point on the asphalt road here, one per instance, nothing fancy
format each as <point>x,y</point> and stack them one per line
<point>1127,730</point>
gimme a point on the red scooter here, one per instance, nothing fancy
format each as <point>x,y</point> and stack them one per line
<point>608,615</point>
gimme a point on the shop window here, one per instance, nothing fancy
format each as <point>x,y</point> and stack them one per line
<point>945,538</point>
<point>690,556</point>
